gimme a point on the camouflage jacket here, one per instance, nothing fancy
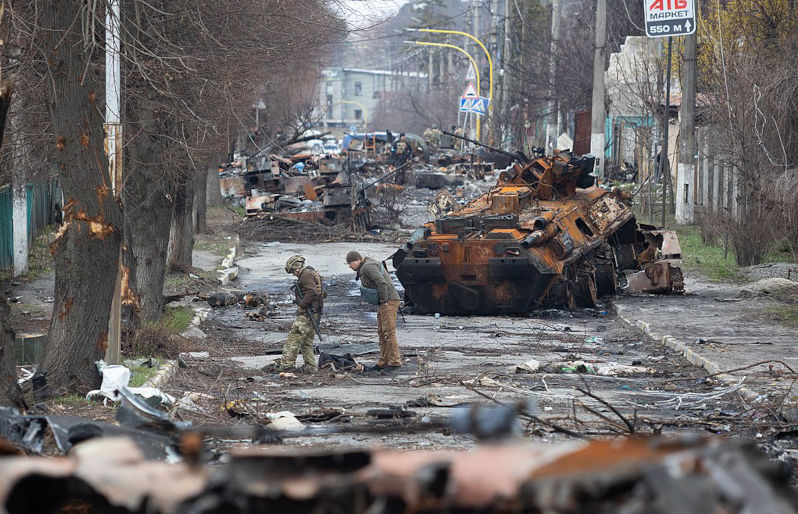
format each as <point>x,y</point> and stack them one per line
<point>309,284</point>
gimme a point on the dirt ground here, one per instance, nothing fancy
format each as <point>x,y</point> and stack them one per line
<point>449,362</point>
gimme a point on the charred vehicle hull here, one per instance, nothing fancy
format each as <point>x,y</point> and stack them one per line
<point>543,237</point>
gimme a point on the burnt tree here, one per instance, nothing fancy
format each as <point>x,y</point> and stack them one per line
<point>86,249</point>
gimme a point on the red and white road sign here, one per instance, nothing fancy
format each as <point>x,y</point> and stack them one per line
<point>470,91</point>
<point>669,17</point>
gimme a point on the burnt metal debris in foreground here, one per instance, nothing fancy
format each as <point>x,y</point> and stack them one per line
<point>656,475</point>
<point>544,236</point>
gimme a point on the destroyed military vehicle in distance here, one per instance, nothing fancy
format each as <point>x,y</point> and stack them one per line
<point>544,236</point>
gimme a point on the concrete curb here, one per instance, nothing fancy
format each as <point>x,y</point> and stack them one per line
<point>165,371</point>
<point>688,353</point>
<point>229,271</point>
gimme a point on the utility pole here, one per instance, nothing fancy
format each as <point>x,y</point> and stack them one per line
<point>476,30</point>
<point>429,70</point>
<point>494,45</point>
<point>685,182</point>
<point>113,136</point>
<point>598,117</point>
<point>551,124</point>
<point>504,72</point>
<point>664,162</point>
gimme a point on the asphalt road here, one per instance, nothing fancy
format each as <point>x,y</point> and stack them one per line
<point>597,376</point>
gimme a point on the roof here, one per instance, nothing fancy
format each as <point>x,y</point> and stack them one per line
<point>412,74</point>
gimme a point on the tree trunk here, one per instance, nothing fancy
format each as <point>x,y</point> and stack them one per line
<point>201,203</point>
<point>10,395</point>
<point>213,188</point>
<point>86,249</point>
<point>148,210</point>
<point>181,235</point>
<point>148,215</point>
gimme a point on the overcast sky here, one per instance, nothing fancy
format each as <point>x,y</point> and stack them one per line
<point>362,13</point>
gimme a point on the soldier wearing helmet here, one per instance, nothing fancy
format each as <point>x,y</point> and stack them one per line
<point>310,299</point>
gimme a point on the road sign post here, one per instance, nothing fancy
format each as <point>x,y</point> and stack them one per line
<point>669,17</point>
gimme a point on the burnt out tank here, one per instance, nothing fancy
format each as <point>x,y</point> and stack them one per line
<point>544,236</point>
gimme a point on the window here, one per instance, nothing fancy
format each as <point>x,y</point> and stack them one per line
<point>358,114</point>
<point>358,89</point>
<point>329,104</point>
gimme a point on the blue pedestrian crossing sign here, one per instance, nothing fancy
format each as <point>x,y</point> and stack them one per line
<point>477,105</point>
<point>480,106</point>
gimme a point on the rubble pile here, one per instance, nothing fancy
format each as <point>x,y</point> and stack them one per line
<point>287,230</point>
<point>635,475</point>
<point>342,189</point>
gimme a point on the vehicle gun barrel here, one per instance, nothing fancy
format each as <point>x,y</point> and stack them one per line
<point>519,156</point>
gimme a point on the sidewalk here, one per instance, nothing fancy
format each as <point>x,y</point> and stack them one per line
<point>717,328</point>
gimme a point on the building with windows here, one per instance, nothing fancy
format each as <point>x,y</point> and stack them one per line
<point>348,97</point>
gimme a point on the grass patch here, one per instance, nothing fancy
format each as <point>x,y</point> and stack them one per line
<point>161,338</point>
<point>787,314</point>
<point>174,281</point>
<point>176,319</point>
<point>707,259</point>
<point>218,248</point>
<point>139,375</point>
<point>70,400</point>
<point>181,280</point>
<point>779,253</point>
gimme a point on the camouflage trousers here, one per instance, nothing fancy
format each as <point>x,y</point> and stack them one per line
<point>300,340</point>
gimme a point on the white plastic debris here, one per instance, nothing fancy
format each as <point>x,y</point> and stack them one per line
<point>186,403</point>
<point>529,366</point>
<point>612,369</point>
<point>284,420</point>
<point>114,377</point>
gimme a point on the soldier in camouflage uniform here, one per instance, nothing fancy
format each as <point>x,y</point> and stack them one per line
<point>300,337</point>
<point>433,137</point>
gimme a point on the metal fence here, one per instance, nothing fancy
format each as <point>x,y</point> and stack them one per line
<point>43,208</point>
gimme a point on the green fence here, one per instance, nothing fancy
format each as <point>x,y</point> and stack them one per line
<point>44,202</point>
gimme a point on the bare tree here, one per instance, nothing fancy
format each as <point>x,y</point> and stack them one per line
<point>86,249</point>
<point>750,101</point>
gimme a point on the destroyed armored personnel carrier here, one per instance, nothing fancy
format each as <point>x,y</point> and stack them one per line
<point>544,236</point>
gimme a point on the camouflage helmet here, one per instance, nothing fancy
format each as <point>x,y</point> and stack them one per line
<point>294,262</point>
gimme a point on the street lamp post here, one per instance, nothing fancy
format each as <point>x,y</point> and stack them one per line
<point>470,58</point>
<point>487,54</point>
